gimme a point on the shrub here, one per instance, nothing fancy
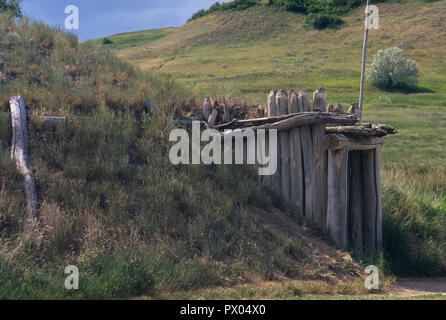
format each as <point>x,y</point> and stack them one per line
<point>107,41</point>
<point>323,20</point>
<point>390,69</point>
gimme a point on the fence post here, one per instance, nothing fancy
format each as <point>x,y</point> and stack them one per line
<point>273,110</point>
<point>337,196</point>
<point>296,173</point>
<point>307,147</point>
<point>284,137</point>
<point>379,217</point>
<point>370,199</point>
<point>355,202</point>
<point>20,154</point>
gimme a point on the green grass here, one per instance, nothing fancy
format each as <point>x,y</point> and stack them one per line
<point>123,41</point>
<point>248,53</point>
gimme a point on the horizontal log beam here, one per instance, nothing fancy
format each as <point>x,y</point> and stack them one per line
<point>309,118</point>
<point>363,129</point>
<point>339,141</point>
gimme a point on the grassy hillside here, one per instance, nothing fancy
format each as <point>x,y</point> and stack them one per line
<point>111,203</point>
<point>244,54</point>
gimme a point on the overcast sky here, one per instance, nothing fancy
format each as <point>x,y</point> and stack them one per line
<point>98,18</point>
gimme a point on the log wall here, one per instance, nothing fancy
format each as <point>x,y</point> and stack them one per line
<point>331,179</point>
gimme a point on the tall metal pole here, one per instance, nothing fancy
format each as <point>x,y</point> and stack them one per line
<point>364,56</point>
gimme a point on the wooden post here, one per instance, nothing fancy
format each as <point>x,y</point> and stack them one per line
<point>303,101</point>
<point>320,163</point>
<point>370,199</point>
<point>226,111</point>
<point>337,196</point>
<point>273,110</point>
<point>20,154</point>
<point>296,170</point>
<point>207,108</point>
<point>284,137</point>
<point>379,217</point>
<point>355,202</point>
<point>213,117</point>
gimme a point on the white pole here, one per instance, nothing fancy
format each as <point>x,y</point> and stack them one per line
<point>364,56</point>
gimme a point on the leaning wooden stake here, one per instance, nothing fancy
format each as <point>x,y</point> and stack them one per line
<point>19,153</point>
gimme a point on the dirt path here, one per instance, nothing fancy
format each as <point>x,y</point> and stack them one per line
<point>418,287</point>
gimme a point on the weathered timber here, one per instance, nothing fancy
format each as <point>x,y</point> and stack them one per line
<point>355,201</point>
<point>20,155</point>
<point>339,141</point>
<point>320,163</point>
<point>337,200</point>
<point>363,129</point>
<point>370,199</point>
<point>320,100</point>
<point>284,137</point>
<point>207,108</point>
<point>296,170</point>
<point>379,217</point>
<point>338,108</point>
<point>303,102</point>
<point>226,116</point>
<point>53,121</point>
<point>273,110</point>
<point>310,118</point>
<point>354,109</point>
<point>213,117</point>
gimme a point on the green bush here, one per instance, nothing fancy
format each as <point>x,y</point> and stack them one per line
<point>390,69</point>
<point>323,20</point>
<point>107,41</point>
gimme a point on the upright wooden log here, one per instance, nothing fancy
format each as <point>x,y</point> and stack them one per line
<point>296,170</point>
<point>284,137</point>
<point>226,117</point>
<point>320,163</point>
<point>303,102</point>
<point>337,197</point>
<point>370,200</point>
<point>19,153</point>
<point>355,202</point>
<point>379,217</point>
<point>207,108</point>
<point>273,110</point>
<point>320,100</point>
<point>213,117</point>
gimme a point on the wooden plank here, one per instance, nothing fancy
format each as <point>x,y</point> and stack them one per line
<point>284,137</point>
<point>301,119</point>
<point>339,141</point>
<point>296,170</point>
<point>273,110</point>
<point>20,155</point>
<point>303,102</point>
<point>207,108</point>
<point>355,202</point>
<point>379,217</point>
<point>226,117</point>
<point>310,118</point>
<point>337,205</point>
<point>213,117</point>
<point>369,206</point>
<point>320,163</point>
